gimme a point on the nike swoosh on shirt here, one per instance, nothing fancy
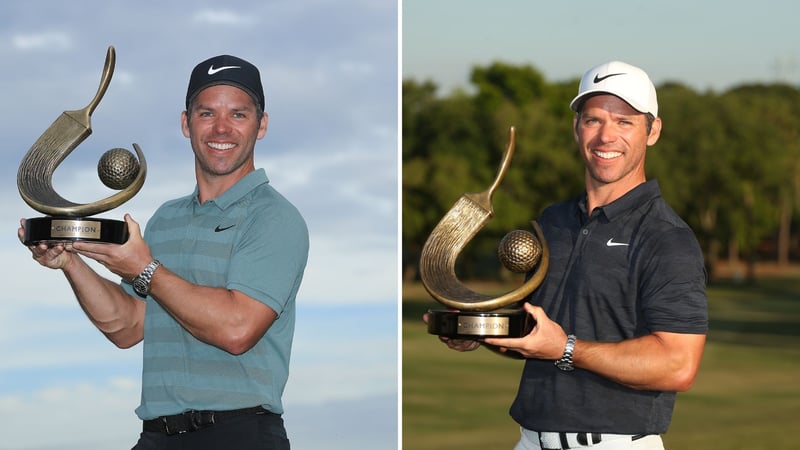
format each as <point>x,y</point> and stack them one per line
<point>212,70</point>
<point>221,228</point>
<point>598,78</point>
<point>611,243</point>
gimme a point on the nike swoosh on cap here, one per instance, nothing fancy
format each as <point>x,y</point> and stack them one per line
<point>598,78</point>
<point>611,243</point>
<point>212,70</point>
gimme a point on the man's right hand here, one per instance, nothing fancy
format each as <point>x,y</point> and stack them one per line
<point>461,345</point>
<point>55,257</point>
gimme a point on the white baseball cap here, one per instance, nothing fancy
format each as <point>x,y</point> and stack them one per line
<point>627,82</point>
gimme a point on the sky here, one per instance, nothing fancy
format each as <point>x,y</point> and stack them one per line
<point>330,74</point>
<point>707,45</point>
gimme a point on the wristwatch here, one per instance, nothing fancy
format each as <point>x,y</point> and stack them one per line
<point>141,284</point>
<point>565,363</point>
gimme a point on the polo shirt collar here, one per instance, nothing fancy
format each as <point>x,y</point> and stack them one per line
<point>238,190</point>
<point>635,197</point>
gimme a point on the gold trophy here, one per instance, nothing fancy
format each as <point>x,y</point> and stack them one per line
<point>473,315</point>
<point>118,169</point>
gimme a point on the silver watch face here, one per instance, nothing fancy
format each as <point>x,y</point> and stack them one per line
<point>565,365</point>
<point>141,286</point>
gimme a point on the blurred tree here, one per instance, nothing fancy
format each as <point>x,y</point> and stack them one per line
<point>691,164</point>
<point>728,163</point>
<point>443,154</point>
<point>755,117</point>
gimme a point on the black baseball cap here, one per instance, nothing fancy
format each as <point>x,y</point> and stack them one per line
<point>226,69</point>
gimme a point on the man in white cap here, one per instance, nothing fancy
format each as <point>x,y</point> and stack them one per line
<point>621,317</point>
<point>210,287</point>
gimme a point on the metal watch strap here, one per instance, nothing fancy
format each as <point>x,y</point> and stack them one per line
<point>565,363</point>
<point>141,284</point>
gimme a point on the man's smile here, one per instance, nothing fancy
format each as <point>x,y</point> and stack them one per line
<point>221,145</point>
<point>607,155</point>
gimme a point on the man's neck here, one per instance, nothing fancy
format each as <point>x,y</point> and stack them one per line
<point>212,186</point>
<point>599,194</point>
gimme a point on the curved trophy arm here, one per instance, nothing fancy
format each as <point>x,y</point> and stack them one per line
<point>35,175</point>
<point>445,243</point>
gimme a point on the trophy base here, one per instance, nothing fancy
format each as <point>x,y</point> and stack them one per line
<point>60,230</point>
<point>502,323</point>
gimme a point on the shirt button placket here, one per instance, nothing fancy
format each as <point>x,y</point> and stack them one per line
<point>584,238</point>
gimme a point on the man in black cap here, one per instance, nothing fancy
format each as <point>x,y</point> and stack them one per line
<point>210,288</point>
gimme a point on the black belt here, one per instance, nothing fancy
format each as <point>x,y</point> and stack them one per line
<point>194,420</point>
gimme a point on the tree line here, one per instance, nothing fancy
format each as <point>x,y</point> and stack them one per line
<point>727,162</point>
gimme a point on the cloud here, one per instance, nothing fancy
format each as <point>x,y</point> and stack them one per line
<point>91,390</point>
<point>49,41</point>
<point>71,413</point>
<point>221,17</point>
<point>81,416</point>
<point>356,68</point>
<point>371,423</point>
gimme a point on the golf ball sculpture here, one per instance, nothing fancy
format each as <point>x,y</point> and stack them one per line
<point>66,221</point>
<point>519,251</point>
<point>470,314</point>
<point>117,168</point>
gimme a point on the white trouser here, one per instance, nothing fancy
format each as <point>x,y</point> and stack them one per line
<point>531,440</point>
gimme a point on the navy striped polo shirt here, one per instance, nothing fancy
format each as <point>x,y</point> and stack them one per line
<point>630,268</point>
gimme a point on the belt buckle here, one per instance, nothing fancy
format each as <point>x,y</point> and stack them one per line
<point>170,430</point>
<point>191,420</point>
<point>200,419</point>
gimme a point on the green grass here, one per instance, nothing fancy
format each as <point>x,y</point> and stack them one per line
<point>746,395</point>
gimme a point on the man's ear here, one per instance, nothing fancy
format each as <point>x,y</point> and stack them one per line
<point>575,127</point>
<point>262,127</point>
<point>185,124</point>
<point>655,132</point>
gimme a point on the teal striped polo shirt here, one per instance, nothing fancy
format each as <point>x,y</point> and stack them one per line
<point>250,239</point>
